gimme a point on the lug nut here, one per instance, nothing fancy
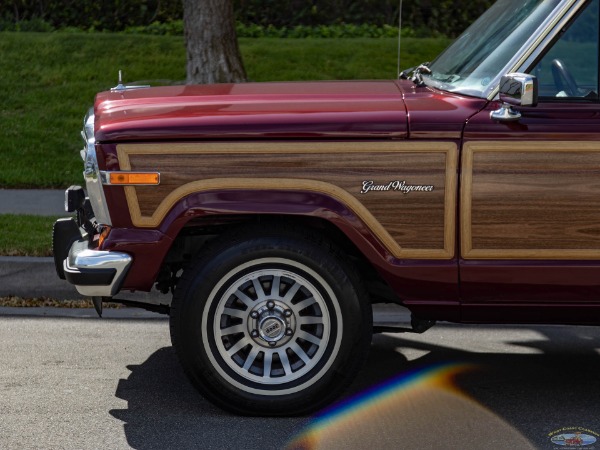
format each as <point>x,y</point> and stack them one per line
<point>288,313</point>
<point>270,304</point>
<point>289,332</point>
<point>272,344</point>
<point>254,334</point>
<point>254,315</point>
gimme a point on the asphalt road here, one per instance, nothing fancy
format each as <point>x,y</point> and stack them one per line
<point>69,381</point>
<point>109,384</point>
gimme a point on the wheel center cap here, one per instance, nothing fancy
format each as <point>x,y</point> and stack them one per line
<point>272,329</point>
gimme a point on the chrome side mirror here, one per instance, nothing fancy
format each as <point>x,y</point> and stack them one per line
<point>516,89</point>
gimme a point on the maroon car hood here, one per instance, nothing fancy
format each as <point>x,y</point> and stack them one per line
<point>330,109</point>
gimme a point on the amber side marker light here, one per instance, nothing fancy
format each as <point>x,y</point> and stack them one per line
<point>134,178</point>
<point>103,235</point>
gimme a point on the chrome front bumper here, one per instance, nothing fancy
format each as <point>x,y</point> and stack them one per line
<point>95,273</point>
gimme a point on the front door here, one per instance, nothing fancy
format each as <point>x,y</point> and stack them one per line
<point>530,189</point>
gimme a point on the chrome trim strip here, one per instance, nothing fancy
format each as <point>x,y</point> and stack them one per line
<point>97,259</point>
<point>91,172</point>
<point>537,42</point>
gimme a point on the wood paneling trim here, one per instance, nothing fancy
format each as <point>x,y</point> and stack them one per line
<point>466,208</point>
<point>346,198</point>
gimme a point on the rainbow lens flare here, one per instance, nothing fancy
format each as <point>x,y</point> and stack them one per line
<point>422,408</point>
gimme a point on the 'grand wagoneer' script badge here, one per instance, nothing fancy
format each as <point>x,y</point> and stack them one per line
<point>401,186</point>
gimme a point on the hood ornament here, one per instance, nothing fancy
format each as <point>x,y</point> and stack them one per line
<point>123,87</point>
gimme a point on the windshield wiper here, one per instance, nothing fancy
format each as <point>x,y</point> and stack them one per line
<point>447,78</point>
<point>415,74</point>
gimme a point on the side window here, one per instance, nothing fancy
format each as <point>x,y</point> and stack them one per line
<point>570,68</point>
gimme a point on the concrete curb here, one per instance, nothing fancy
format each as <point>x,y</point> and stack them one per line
<point>25,276</point>
<point>82,313</point>
<point>30,277</point>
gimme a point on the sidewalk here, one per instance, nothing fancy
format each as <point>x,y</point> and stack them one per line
<point>38,202</point>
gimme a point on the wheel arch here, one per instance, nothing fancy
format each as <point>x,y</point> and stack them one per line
<point>216,212</point>
<point>316,229</point>
<point>352,220</point>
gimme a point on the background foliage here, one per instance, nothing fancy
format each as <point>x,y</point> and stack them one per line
<point>445,17</point>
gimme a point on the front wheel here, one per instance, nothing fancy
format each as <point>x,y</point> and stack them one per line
<point>270,325</point>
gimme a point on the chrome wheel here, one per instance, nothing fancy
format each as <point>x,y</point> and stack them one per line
<point>271,326</point>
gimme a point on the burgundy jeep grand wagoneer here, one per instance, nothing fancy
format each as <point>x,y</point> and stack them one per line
<point>277,213</point>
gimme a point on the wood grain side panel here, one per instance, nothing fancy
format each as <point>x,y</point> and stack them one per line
<point>417,224</point>
<point>531,200</point>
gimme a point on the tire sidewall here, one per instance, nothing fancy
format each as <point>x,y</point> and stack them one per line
<point>198,298</point>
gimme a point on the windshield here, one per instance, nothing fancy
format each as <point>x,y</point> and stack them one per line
<point>476,58</point>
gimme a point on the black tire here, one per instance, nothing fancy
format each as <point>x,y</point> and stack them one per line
<point>270,324</point>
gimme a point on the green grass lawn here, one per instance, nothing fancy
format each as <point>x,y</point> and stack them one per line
<point>26,235</point>
<point>48,80</point>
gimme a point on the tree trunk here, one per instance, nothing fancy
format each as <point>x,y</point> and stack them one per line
<point>213,55</point>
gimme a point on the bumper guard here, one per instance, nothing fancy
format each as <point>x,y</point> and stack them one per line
<point>95,272</point>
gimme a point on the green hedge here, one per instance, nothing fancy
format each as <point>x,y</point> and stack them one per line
<point>426,17</point>
<point>175,28</point>
<point>83,14</point>
<point>449,17</point>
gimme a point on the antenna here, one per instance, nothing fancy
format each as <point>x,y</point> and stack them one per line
<point>399,36</point>
<point>121,87</point>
